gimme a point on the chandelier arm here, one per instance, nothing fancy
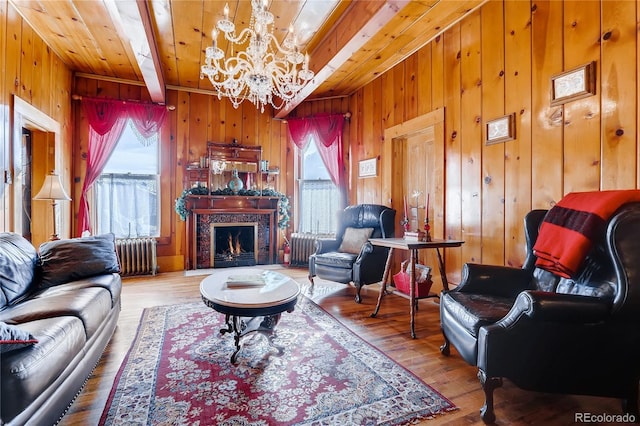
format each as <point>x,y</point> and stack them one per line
<point>235,65</point>
<point>283,76</point>
<point>284,51</point>
<point>244,35</point>
<point>284,87</point>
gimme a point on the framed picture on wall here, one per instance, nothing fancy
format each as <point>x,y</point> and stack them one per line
<point>574,84</point>
<point>501,129</point>
<point>368,168</point>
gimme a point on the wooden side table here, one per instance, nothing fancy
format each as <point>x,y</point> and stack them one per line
<point>412,247</point>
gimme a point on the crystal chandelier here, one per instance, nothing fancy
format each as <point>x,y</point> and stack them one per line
<point>266,70</point>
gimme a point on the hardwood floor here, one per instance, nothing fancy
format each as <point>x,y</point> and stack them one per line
<point>389,332</point>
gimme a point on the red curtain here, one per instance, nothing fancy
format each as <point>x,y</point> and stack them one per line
<point>107,118</point>
<point>326,131</point>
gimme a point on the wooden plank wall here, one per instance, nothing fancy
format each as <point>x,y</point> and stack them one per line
<point>197,119</point>
<point>497,61</point>
<point>31,71</point>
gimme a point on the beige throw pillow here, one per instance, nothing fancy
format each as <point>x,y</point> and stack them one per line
<point>354,239</point>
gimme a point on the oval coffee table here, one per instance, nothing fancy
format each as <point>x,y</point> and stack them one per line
<point>253,302</point>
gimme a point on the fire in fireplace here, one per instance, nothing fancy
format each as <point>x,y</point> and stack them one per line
<point>234,244</point>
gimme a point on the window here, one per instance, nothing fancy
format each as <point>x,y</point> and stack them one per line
<point>127,195</point>
<point>319,196</point>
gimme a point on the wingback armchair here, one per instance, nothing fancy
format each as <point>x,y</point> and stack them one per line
<point>349,257</point>
<point>549,333</point>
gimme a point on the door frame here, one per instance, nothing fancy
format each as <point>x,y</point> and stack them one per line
<point>46,136</point>
<point>432,122</point>
<point>400,133</point>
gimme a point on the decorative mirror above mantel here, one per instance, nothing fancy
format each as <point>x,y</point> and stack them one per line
<point>234,166</point>
<point>217,170</point>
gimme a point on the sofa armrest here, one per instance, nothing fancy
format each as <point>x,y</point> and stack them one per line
<point>326,245</point>
<point>556,307</point>
<point>495,280</point>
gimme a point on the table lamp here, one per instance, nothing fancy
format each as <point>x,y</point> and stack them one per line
<point>52,190</point>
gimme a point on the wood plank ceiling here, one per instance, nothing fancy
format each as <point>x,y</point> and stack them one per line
<point>160,43</point>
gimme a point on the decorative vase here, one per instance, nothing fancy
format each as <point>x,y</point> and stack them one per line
<point>235,183</point>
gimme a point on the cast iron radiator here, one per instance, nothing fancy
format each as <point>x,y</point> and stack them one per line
<point>303,245</point>
<point>137,256</point>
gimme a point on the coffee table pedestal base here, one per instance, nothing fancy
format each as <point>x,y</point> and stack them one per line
<point>242,326</point>
<point>250,309</point>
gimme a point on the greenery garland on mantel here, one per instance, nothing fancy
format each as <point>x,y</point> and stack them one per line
<point>284,207</point>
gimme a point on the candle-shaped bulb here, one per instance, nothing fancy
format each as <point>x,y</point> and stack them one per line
<point>426,209</point>
<point>214,37</point>
<point>306,61</point>
<point>264,4</point>
<point>226,11</point>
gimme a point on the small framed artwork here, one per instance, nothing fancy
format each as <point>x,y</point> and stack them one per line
<point>368,168</point>
<point>501,129</point>
<point>575,84</point>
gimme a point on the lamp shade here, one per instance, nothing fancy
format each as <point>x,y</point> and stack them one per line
<point>52,189</point>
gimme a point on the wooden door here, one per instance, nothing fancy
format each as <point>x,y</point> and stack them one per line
<point>413,162</point>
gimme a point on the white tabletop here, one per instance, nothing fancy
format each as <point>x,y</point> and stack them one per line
<point>278,289</point>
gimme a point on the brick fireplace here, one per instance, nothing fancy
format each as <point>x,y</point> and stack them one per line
<point>227,231</point>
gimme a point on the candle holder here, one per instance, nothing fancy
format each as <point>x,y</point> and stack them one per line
<point>405,223</point>
<point>427,229</point>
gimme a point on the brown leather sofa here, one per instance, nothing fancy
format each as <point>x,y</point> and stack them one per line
<point>554,334</point>
<point>340,261</point>
<point>59,307</point>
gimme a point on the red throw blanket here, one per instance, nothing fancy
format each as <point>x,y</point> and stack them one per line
<point>570,228</point>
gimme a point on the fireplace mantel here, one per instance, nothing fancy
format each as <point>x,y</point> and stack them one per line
<point>222,209</point>
<point>222,202</point>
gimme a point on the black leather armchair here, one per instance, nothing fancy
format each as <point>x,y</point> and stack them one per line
<point>364,266</point>
<point>552,334</point>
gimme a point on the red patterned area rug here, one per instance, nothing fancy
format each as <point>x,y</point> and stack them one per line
<point>178,372</point>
